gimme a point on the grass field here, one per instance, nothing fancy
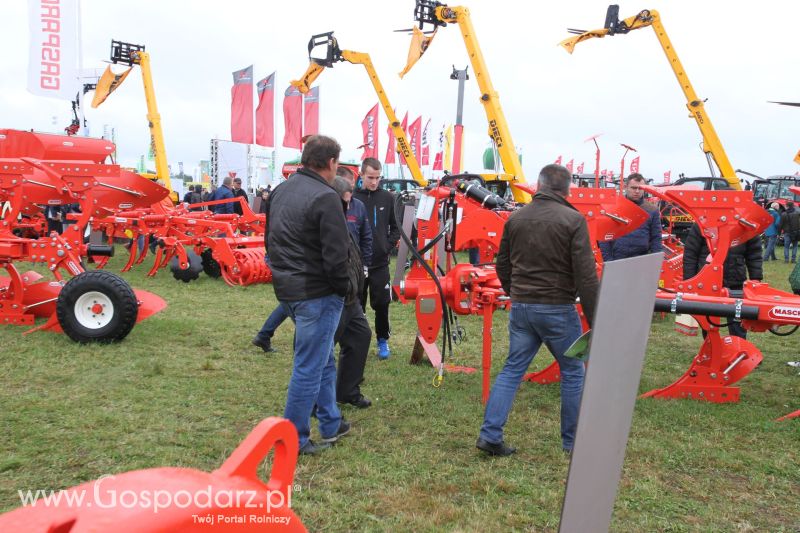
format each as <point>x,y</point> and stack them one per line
<point>186,387</point>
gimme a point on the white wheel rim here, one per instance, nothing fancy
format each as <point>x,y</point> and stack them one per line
<point>94,310</point>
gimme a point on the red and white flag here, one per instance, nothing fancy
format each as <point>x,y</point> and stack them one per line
<point>635,165</point>
<point>390,149</point>
<point>667,174</point>
<point>265,112</point>
<point>569,165</point>
<point>426,149</point>
<point>438,159</point>
<point>311,112</point>
<point>293,118</point>
<point>53,50</point>
<point>404,126</point>
<point>579,170</point>
<point>558,160</point>
<point>369,129</point>
<point>604,172</point>
<point>415,137</point>
<point>242,106</point>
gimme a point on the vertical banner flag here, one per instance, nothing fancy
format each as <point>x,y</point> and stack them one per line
<point>604,172</point>
<point>635,164</point>
<point>53,51</point>
<point>293,117</point>
<point>265,112</point>
<point>426,149</point>
<point>569,165</point>
<point>667,175</point>
<point>369,128</point>
<point>448,148</point>
<point>414,134</point>
<point>311,112</point>
<point>558,160</point>
<point>390,149</point>
<point>579,170</point>
<point>242,106</point>
<point>404,126</point>
<point>437,159</point>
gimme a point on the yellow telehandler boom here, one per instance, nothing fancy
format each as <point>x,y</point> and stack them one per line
<point>438,14</point>
<point>334,54</point>
<point>134,54</point>
<point>712,146</point>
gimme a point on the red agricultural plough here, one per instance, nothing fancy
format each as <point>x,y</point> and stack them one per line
<point>726,218</point>
<point>91,306</point>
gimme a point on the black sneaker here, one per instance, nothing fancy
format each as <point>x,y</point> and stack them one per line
<point>311,448</point>
<point>360,401</point>
<point>264,345</point>
<point>498,449</point>
<point>344,429</point>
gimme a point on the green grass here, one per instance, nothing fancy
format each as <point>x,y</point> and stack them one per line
<point>186,387</point>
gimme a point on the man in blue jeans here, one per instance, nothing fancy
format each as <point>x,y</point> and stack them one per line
<point>544,261</point>
<point>306,241</point>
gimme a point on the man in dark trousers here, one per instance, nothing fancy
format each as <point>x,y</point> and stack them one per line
<point>743,261</point>
<point>356,217</point>
<point>307,244</point>
<point>237,192</point>
<point>385,234</point>
<point>646,239</point>
<point>545,260</point>
<point>790,226</point>
<point>353,334</point>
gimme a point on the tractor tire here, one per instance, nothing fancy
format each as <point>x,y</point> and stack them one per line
<point>97,306</point>
<point>187,274</point>
<point>210,265</point>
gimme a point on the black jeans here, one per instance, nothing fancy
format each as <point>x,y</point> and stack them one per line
<point>380,295</point>
<point>353,336</point>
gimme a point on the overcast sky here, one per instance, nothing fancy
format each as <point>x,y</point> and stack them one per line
<point>737,55</point>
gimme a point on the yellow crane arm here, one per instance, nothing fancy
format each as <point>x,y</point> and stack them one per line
<point>334,54</point>
<point>712,146</point>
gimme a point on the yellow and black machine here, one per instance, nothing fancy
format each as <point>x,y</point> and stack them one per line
<point>712,146</point>
<point>438,15</point>
<point>333,54</point>
<point>134,54</point>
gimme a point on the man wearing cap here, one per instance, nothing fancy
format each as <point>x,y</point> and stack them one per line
<point>237,192</point>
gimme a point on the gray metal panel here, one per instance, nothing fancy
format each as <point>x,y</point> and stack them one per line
<point>616,356</point>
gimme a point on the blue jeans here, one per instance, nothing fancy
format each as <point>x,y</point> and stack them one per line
<point>529,325</point>
<point>274,320</point>
<point>769,253</point>
<point>787,242</point>
<point>313,378</point>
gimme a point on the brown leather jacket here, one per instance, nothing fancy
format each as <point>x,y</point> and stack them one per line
<point>545,256</point>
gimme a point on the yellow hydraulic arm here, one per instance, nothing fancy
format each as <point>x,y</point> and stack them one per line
<point>438,14</point>
<point>712,146</point>
<point>134,54</point>
<point>334,54</point>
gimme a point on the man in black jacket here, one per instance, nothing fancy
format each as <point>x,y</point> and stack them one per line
<point>790,226</point>
<point>237,192</point>
<point>385,234</point>
<point>545,260</point>
<point>743,261</point>
<point>307,248</point>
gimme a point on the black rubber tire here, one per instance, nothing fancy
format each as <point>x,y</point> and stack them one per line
<point>210,265</point>
<point>116,289</point>
<point>188,274</point>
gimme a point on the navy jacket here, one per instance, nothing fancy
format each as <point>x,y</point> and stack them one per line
<point>646,239</point>
<point>221,194</point>
<point>360,229</point>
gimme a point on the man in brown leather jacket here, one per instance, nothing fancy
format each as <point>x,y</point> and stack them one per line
<point>545,260</point>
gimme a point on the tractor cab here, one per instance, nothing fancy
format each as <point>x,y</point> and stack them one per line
<point>775,189</point>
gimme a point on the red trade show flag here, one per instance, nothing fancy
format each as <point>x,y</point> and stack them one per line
<point>390,149</point>
<point>369,128</point>
<point>426,149</point>
<point>311,112</point>
<point>558,160</point>
<point>667,175</point>
<point>242,106</point>
<point>604,172</point>
<point>404,125</point>
<point>569,165</point>
<point>635,164</point>
<point>414,137</point>
<point>438,159</point>
<point>579,170</point>
<point>293,118</point>
<point>265,112</point>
